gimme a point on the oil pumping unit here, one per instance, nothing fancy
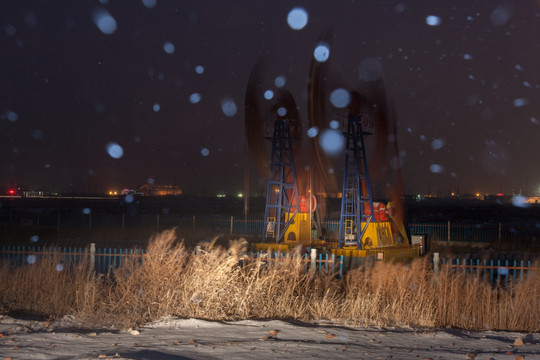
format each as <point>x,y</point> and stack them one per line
<point>367,229</point>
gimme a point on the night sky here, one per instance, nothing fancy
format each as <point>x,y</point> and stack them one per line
<point>97,95</point>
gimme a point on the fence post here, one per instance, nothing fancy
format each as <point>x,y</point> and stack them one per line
<point>436,266</point>
<point>231,224</point>
<point>92,257</point>
<point>313,260</point>
<point>448,237</point>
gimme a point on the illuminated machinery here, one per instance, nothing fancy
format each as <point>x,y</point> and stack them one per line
<point>282,206</point>
<point>367,229</point>
<point>288,219</point>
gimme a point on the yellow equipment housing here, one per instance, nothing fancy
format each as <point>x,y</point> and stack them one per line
<point>299,231</point>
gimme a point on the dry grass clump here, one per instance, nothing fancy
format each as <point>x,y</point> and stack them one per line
<point>222,284</point>
<point>47,287</point>
<point>472,303</point>
<point>391,293</point>
<point>217,284</point>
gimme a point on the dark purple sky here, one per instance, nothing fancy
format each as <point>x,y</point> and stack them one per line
<point>465,90</point>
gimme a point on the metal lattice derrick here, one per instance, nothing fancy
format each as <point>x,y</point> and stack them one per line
<point>356,193</point>
<point>282,192</point>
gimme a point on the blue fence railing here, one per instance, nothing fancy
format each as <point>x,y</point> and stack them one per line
<point>103,260</point>
<point>496,271</point>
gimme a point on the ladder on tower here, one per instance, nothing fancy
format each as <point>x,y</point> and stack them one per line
<point>282,203</point>
<point>356,195</point>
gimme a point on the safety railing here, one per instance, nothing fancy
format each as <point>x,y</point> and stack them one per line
<point>102,260</point>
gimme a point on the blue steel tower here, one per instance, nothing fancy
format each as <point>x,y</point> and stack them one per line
<point>356,194</point>
<point>282,203</point>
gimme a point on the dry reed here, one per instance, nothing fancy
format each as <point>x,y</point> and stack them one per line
<point>222,284</point>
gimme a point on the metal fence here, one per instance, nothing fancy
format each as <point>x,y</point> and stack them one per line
<point>103,260</point>
<point>511,231</point>
<point>498,271</point>
<point>437,231</point>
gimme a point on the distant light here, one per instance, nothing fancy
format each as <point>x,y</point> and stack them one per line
<point>240,195</point>
<point>312,132</point>
<point>31,259</point>
<point>520,201</point>
<point>205,152</point>
<point>433,20</point>
<point>268,94</point>
<point>370,69</point>
<point>228,107</point>
<point>501,14</point>
<point>334,124</point>
<point>519,67</point>
<point>168,47</point>
<point>467,56</point>
<point>10,30</point>
<point>221,195</point>
<point>280,81</point>
<point>282,111</point>
<point>331,141</point>
<point>12,116</point>
<point>500,194</point>
<point>11,192</point>
<point>399,8</point>
<point>521,102</point>
<point>115,151</point>
<point>156,107</point>
<point>37,134</point>
<point>321,52</point>
<point>340,98</point>
<point>436,168</point>
<point>195,98</point>
<point>86,211</point>
<point>150,3</point>
<point>59,267</point>
<point>199,69</point>
<point>535,120</point>
<point>34,238</point>
<point>437,144</point>
<point>129,199</point>
<point>104,21</point>
<point>297,18</point>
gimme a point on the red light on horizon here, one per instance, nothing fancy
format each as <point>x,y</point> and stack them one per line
<point>500,194</point>
<point>11,192</point>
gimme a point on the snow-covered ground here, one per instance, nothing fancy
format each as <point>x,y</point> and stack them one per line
<point>196,339</point>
